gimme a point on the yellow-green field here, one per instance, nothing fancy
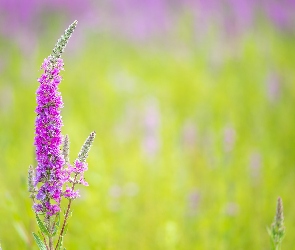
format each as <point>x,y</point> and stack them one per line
<point>194,143</point>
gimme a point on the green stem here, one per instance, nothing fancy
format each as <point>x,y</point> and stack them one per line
<point>50,239</point>
<point>66,215</point>
<point>46,245</point>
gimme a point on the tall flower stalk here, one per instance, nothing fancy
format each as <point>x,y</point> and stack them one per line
<point>277,229</point>
<point>54,177</point>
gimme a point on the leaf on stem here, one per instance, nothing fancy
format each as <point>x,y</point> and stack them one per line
<point>56,224</point>
<point>59,246</point>
<point>65,230</point>
<point>39,242</point>
<point>42,227</point>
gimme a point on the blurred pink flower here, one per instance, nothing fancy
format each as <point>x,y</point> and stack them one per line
<point>229,138</point>
<point>115,191</point>
<point>231,209</point>
<point>151,125</point>
<point>193,201</point>
<point>255,165</point>
<point>273,86</point>
<point>189,135</point>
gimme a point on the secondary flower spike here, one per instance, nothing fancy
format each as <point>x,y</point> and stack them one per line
<point>50,174</point>
<point>277,229</point>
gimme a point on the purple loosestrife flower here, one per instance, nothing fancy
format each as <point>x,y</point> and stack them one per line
<point>48,138</point>
<point>50,174</point>
<point>71,194</point>
<point>54,171</point>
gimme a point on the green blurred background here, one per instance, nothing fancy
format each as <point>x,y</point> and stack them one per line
<point>193,105</point>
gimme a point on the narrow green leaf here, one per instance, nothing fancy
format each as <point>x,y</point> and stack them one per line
<point>65,230</point>
<point>42,227</point>
<point>56,225</point>
<point>55,230</point>
<point>39,242</point>
<point>59,246</point>
<point>40,235</point>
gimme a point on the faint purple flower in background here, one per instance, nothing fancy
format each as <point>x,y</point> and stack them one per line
<point>244,11</point>
<point>273,85</point>
<point>24,21</point>
<point>231,209</point>
<point>229,138</point>
<point>130,189</point>
<point>151,138</point>
<point>115,191</point>
<point>139,20</point>
<point>122,80</point>
<point>255,165</point>
<point>148,19</point>
<point>193,201</point>
<point>127,125</point>
<point>238,16</point>
<point>205,14</point>
<point>189,136</point>
<point>279,13</point>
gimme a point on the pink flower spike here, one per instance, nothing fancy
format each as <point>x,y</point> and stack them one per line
<point>71,194</point>
<point>83,182</point>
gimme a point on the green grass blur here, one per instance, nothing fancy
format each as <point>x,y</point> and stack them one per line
<point>192,149</point>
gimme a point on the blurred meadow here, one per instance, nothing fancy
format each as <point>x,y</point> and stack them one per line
<point>193,104</point>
